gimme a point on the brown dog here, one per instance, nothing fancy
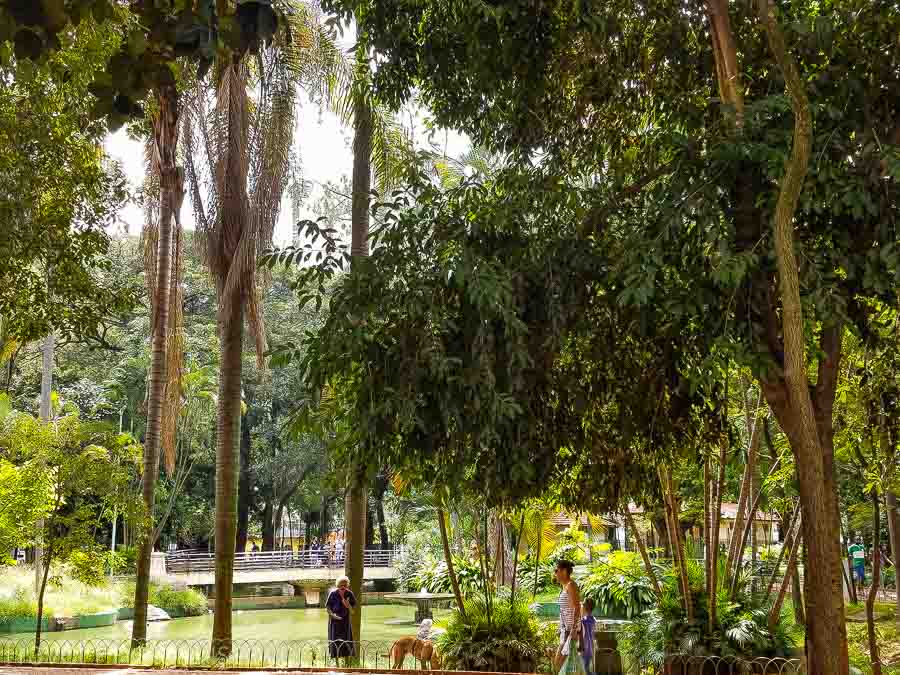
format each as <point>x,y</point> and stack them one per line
<point>422,650</point>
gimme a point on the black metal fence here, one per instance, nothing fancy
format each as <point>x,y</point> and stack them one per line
<point>372,654</point>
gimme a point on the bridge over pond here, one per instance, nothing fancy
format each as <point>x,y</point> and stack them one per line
<point>197,568</point>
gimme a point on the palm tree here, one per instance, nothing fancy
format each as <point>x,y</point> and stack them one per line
<point>238,166</point>
<point>164,235</point>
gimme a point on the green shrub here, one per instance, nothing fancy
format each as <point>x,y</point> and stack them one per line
<point>124,560</point>
<point>409,564</point>
<point>889,577</point>
<point>618,585</point>
<point>189,602</point>
<point>508,639</point>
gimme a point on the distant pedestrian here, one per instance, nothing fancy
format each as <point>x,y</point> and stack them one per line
<point>340,605</point>
<point>858,555</point>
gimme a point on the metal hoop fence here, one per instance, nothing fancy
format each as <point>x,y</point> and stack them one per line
<point>371,654</point>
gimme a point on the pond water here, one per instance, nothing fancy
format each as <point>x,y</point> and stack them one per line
<point>264,624</point>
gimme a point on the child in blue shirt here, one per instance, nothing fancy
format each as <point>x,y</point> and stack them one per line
<point>587,635</point>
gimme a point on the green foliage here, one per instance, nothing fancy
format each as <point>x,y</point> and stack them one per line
<point>434,577</point>
<point>151,44</point>
<point>509,638</point>
<point>84,482</point>
<point>24,498</point>
<point>619,586</point>
<point>889,577</point>
<point>58,194</point>
<point>462,365</point>
<point>124,560</point>
<point>529,569</point>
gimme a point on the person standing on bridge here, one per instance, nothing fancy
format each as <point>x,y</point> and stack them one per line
<point>339,605</point>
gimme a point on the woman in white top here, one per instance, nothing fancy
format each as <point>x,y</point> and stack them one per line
<point>569,610</point>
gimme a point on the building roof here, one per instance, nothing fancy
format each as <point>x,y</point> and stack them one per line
<point>729,512</point>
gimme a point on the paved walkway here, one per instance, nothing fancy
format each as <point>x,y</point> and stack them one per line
<point>119,670</point>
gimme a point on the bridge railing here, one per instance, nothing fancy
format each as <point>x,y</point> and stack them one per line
<point>202,561</point>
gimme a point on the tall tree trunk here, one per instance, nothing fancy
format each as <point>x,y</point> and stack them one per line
<point>323,519</point>
<point>245,489</point>
<point>448,558</point>
<point>268,526</point>
<point>279,525</point>
<point>381,488</point>
<point>370,528</point>
<point>45,572</point>
<point>45,413</point>
<point>354,547</point>
<point>876,579</point>
<point>231,329</point>
<point>357,500</point>
<point>171,189</point>
<point>893,519</point>
<point>826,631</point>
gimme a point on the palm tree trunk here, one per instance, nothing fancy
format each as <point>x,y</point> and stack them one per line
<point>231,330</point>
<point>448,558</point>
<point>826,629</point>
<point>357,498</point>
<point>171,188</point>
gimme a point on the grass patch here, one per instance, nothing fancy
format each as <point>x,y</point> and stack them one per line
<point>64,596</point>
<point>888,634</point>
<point>550,595</point>
<point>17,607</point>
